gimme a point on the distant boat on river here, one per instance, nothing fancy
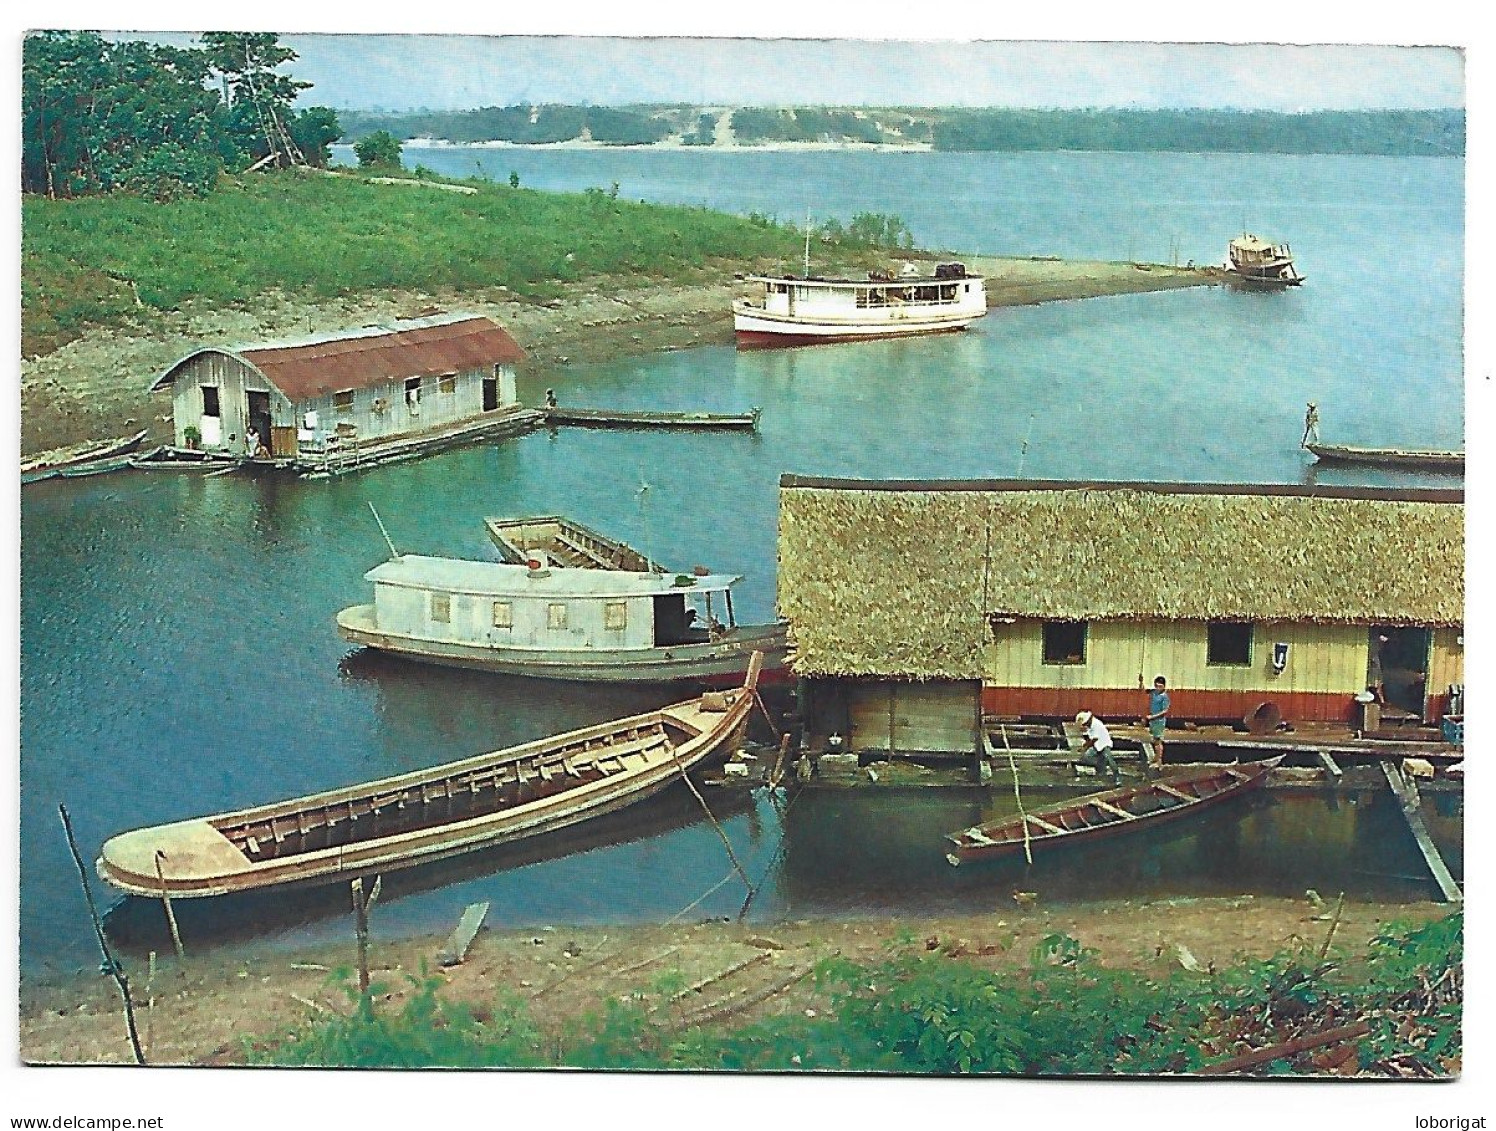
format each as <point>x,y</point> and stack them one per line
<point>1256,262</point>
<point>1103,814</point>
<point>803,311</point>
<point>398,822</point>
<point>565,603</point>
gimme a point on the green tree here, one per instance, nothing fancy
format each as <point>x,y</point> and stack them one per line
<point>314,130</point>
<point>380,150</point>
<point>100,116</point>
<point>259,97</point>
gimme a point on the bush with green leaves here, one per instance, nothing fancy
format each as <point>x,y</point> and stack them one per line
<point>380,150</point>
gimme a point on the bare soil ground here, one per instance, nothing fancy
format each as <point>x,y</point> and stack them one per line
<point>97,386</point>
<point>206,1011</point>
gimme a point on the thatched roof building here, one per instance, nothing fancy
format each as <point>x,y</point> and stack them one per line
<point>898,579</point>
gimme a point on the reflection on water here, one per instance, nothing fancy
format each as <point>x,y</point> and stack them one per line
<point>179,655</point>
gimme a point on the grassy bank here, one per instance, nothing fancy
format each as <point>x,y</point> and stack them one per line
<point>106,261</point>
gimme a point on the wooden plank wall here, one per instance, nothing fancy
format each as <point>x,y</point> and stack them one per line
<point>908,718</point>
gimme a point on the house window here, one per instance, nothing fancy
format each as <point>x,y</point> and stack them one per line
<point>413,395</point>
<point>555,616</point>
<point>210,400</point>
<point>343,402</point>
<point>447,383</point>
<point>1228,643</point>
<point>503,614</point>
<point>1065,642</point>
<point>615,614</point>
<point>441,608</point>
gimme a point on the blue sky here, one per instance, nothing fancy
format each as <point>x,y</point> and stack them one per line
<point>443,72</point>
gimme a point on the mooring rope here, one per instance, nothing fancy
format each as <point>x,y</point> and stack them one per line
<point>1028,852</point>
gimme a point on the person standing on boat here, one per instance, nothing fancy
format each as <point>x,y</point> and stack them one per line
<point>1376,680</point>
<point>1097,748</point>
<point>1157,719</point>
<point>1311,425</point>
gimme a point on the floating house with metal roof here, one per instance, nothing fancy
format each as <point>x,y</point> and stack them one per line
<point>915,607</point>
<point>355,396</point>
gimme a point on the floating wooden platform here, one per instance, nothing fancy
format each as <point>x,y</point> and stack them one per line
<point>82,459</point>
<point>1426,459</point>
<point>620,418</point>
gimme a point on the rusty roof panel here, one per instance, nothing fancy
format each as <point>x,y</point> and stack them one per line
<point>365,359</point>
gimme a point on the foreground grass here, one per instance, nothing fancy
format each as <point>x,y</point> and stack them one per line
<point>105,260</point>
<point>1063,1013</point>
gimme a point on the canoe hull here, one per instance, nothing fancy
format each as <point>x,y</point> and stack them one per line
<point>199,860</point>
<point>1005,838</point>
<point>1423,459</point>
<point>725,660</point>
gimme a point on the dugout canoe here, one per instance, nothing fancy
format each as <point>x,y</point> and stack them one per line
<point>623,418</point>
<point>1424,459</point>
<point>1114,811</point>
<point>506,796</point>
<point>83,459</point>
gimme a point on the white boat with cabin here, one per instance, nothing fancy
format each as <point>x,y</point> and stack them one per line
<point>802,310</point>
<point>600,617</point>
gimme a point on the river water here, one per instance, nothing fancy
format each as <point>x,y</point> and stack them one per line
<point>178,649</point>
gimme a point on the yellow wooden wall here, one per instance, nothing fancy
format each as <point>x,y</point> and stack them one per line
<point>1321,658</point>
<point>1446,660</point>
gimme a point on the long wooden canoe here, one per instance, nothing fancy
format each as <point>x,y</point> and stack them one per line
<point>624,418</point>
<point>431,814</point>
<point>1114,811</point>
<point>82,459</point>
<point>1428,459</point>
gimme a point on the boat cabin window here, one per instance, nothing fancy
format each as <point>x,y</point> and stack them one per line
<point>441,608</point>
<point>210,400</point>
<point>503,614</point>
<point>615,614</point>
<point>555,615</point>
<point>447,383</point>
<point>1065,642</point>
<point>343,402</point>
<point>1228,643</point>
<point>675,622</point>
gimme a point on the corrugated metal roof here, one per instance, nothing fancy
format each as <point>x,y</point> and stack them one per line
<point>373,355</point>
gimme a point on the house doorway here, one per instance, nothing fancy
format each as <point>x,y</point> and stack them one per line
<point>490,394</point>
<point>257,413</point>
<point>1404,656</point>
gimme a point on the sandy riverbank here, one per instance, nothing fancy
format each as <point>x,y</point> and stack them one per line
<point>96,387</point>
<point>203,1012</point>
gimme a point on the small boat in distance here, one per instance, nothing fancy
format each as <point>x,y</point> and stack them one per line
<point>565,603</point>
<point>1420,459</point>
<point>1103,814</point>
<point>804,310</point>
<point>399,822</point>
<point>1256,262</point>
<point>82,459</point>
<point>625,418</point>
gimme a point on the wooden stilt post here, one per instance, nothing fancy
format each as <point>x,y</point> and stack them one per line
<point>1407,799</point>
<point>171,917</point>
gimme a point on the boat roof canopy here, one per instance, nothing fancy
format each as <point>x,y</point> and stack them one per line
<point>499,579</point>
<point>865,284</point>
<point>1252,243</point>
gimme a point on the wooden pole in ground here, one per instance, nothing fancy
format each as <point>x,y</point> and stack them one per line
<point>1334,922</point>
<point>111,965</point>
<point>171,917</point>
<point>361,907</point>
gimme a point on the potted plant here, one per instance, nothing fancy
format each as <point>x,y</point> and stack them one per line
<point>193,435</point>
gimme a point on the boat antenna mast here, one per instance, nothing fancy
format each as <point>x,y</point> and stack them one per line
<point>642,494</point>
<point>807,244</point>
<point>394,553</point>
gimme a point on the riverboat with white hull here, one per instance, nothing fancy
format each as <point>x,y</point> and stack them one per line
<point>804,311</point>
<point>587,620</point>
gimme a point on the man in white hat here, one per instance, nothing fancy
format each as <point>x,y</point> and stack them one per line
<point>1097,748</point>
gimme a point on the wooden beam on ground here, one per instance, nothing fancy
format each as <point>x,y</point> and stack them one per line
<point>463,935</point>
<point>1287,1049</point>
<point>1407,799</point>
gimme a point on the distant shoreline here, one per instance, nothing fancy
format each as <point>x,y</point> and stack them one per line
<point>434,143</point>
